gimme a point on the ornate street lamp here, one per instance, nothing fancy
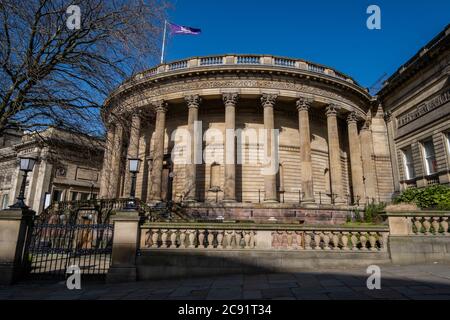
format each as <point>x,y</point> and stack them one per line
<point>26,165</point>
<point>133,166</point>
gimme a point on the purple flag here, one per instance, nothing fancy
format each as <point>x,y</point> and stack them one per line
<point>176,29</point>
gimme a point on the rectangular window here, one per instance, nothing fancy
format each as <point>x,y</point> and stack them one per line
<point>5,200</point>
<point>430,157</point>
<point>447,136</point>
<point>74,196</point>
<point>84,196</point>
<point>408,163</point>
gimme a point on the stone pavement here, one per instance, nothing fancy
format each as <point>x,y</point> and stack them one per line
<point>397,282</point>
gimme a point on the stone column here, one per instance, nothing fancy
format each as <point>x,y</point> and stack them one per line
<point>230,100</point>
<point>334,153</point>
<point>193,103</point>
<point>105,183</point>
<point>270,180</point>
<point>370,178</point>
<point>125,245</point>
<point>303,106</point>
<point>133,148</point>
<point>15,234</point>
<point>158,153</point>
<point>116,162</point>
<point>388,118</point>
<point>355,159</point>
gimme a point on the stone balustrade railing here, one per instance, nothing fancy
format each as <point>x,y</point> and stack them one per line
<point>227,60</point>
<point>262,237</point>
<point>421,223</point>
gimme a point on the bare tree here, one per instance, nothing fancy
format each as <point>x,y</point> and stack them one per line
<point>51,75</point>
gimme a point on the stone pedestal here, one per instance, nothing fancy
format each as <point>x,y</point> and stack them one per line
<point>15,234</point>
<point>125,245</point>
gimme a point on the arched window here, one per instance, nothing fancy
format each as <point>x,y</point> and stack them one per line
<point>215,176</point>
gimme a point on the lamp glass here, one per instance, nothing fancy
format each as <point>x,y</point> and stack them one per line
<point>134,165</point>
<point>27,164</point>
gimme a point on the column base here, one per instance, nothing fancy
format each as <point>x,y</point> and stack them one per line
<point>121,274</point>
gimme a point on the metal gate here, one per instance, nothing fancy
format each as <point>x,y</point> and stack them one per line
<point>78,238</point>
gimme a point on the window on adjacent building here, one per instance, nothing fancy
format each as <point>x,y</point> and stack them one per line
<point>5,200</point>
<point>408,163</point>
<point>447,136</point>
<point>84,196</point>
<point>430,157</point>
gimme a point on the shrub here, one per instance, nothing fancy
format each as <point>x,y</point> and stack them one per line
<point>434,197</point>
<point>372,212</point>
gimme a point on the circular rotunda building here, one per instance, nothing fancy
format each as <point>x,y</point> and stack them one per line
<point>247,137</point>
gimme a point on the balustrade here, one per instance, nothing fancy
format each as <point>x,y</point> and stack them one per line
<point>238,59</point>
<point>421,223</point>
<point>214,238</point>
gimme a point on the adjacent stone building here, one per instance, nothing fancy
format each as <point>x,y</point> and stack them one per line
<point>416,100</point>
<point>68,167</point>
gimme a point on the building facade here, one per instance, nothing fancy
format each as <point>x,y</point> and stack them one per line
<point>68,167</point>
<point>416,100</point>
<point>332,147</point>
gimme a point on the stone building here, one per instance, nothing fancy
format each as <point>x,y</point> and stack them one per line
<point>68,167</point>
<point>416,100</point>
<point>332,149</point>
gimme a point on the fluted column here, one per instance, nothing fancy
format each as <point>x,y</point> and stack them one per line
<point>230,101</point>
<point>355,158</point>
<point>105,183</point>
<point>193,103</point>
<point>158,153</point>
<point>334,154</point>
<point>270,180</point>
<point>303,106</point>
<point>133,148</point>
<point>116,162</point>
<point>370,178</point>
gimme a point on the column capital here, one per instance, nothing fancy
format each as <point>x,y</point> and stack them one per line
<point>160,106</point>
<point>230,99</point>
<point>193,101</point>
<point>332,110</point>
<point>352,118</point>
<point>268,100</point>
<point>304,104</point>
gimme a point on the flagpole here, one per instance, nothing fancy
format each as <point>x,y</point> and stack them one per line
<point>164,42</point>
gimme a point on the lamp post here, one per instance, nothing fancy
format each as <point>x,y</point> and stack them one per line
<point>133,166</point>
<point>26,165</point>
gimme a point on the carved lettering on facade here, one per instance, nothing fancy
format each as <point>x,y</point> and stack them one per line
<point>424,108</point>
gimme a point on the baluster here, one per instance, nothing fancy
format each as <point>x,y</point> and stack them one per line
<point>173,238</point>
<point>335,240</point>
<point>307,241</point>
<point>298,236</point>
<point>444,225</point>
<point>164,236</point>
<point>201,239</point>
<point>238,238</point>
<point>252,239</point>
<point>210,240</point>
<point>354,239</point>
<point>344,240</point>
<point>418,224</point>
<point>326,241</point>
<point>155,236</point>
<point>229,237</point>
<point>427,225</point>
<point>182,239</point>
<point>191,238</point>
<point>148,239</point>
<point>275,239</point>
<point>373,241</point>
<point>363,239</point>
<point>289,239</point>
<point>247,239</point>
<point>220,239</point>
<point>316,238</point>
<point>435,224</point>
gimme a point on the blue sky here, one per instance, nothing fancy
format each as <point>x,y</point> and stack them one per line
<point>328,32</point>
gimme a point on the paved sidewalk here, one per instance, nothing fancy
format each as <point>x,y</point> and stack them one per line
<point>405,282</point>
